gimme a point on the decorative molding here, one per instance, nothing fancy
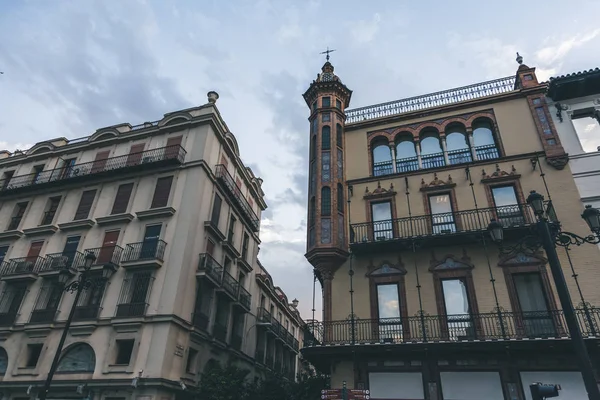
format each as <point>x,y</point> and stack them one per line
<point>386,268</point>
<point>155,213</point>
<point>379,192</point>
<point>114,219</point>
<point>41,230</point>
<point>450,262</point>
<point>437,183</point>
<point>77,224</point>
<point>558,162</point>
<point>499,174</point>
<point>12,234</point>
<point>521,258</point>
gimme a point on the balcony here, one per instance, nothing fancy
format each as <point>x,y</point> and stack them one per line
<point>86,313</point>
<point>237,197</point>
<point>445,228</point>
<point>504,326</point>
<point>149,253</point>
<point>243,299</point>
<point>213,228</point>
<point>200,321</point>
<point>230,286</point>
<point>42,316</point>
<point>21,269</point>
<point>106,255</point>
<point>210,269</point>
<point>128,310</point>
<point>57,262</point>
<point>263,315</point>
<point>142,161</point>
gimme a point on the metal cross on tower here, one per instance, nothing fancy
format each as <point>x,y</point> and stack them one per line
<point>327,53</point>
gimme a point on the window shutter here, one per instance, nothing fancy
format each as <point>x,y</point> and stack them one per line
<point>100,161</point>
<point>85,204</point>
<point>216,210</point>
<point>122,198</point>
<point>173,144</point>
<point>135,154</point>
<point>162,192</point>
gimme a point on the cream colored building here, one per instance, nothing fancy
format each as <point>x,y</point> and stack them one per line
<point>172,210</point>
<point>418,303</point>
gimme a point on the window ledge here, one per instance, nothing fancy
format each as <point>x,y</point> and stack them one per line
<point>115,219</point>
<point>12,234</point>
<point>77,224</point>
<point>155,212</point>
<point>26,371</point>
<point>41,230</point>
<point>213,229</point>
<point>245,265</point>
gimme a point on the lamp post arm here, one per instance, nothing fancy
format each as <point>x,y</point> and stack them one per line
<point>585,363</point>
<point>81,285</point>
<point>567,239</point>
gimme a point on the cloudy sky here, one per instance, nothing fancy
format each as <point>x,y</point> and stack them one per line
<point>71,67</point>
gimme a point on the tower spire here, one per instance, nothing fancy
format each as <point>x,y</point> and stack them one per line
<point>326,52</point>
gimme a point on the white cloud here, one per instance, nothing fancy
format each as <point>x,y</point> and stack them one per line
<point>364,31</point>
<point>554,53</point>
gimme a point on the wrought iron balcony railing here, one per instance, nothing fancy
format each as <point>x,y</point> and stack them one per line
<point>83,313</point>
<point>452,223</point>
<point>64,260</point>
<point>210,267</point>
<point>22,265</point>
<point>144,159</point>
<point>263,315</point>
<point>238,198</point>
<point>451,328</point>
<point>147,250</point>
<point>437,99</point>
<point>131,309</point>
<point>230,285</point>
<point>111,254</point>
<point>244,297</point>
<point>41,316</point>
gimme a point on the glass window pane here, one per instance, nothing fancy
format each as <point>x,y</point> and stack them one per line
<point>388,301</point>
<point>530,292</point>
<point>440,204</point>
<point>455,297</point>
<point>382,211</point>
<point>504,196</point>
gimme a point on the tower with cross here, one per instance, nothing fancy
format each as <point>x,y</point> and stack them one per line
<point>327,249</point>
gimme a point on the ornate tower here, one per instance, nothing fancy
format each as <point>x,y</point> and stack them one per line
<point>327,97</point>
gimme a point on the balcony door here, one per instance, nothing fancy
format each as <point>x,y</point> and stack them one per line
<point>381,214</point>
<point>70,250</point>
<point>442,217</point>
<point>150,243</point>
<point>389,317</point>
<point>459,321</point>
<point>32,257</point>
<point>508,210</point>
<point>135,154</point>
<point>108,247</point>
<point>100,161</point>
<point>537,319</point>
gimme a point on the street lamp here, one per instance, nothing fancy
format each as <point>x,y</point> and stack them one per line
<point>77,286</point>
<point>549,235</point>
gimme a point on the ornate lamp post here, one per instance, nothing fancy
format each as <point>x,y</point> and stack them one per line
<point>77,286</point>
<point>549,235</point>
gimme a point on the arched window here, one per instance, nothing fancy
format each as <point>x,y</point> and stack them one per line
<point>313,146</point>
<point>406,154</point>
<point>325,201</point>
<point>326,138</point>
<point>382,157</point>
<point>3,361</point>
<point>483,140</point>
<point>79,358</point>
<point>340,197</point>
<point>339,139</point>
<point>457,144</point>
<point>312,212</point>
<point>432,155</point>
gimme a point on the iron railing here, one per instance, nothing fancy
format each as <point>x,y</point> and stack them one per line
<point>461,156</point>
<point>147,250</point>
<point>83,313</point>
<point>174,153</point>
<point>41,316</point>
<point>433,160</point>
<point>451,328</point>
<point>244,297</point>
<point>462,221</point>
<point>437,99</point>
<point>111,254</point>
<point>230,285</point>
<point>264,316</point>
<point>22,265</point>
<point>210,267</point>
<point>64,260</point>
<point>131,309</point>
<point>407,164</point>
<point>246,210</point>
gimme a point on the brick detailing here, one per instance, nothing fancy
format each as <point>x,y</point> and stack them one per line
<point>555,153</point>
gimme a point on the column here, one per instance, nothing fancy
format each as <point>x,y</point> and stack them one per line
<point>445,150</point>
<point>471,143</point>
<point>393,151</point>
<point>418,151</point>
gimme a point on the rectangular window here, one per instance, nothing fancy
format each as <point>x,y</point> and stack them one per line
<point>245,247</point>
<point>70,251</point>
<point>50,212</point>
<point>34,250</point>
<point>314,106</point>
<point>216,210</point>
<point>533,303</point>
<point>134,294</point>
<point>162,192</point>
<point>210,247</point>
<point>326,101</point>
<point>227,264</point>
<point>88,305</point>
<point>135,154</point>
<point>381,215</point>
<point>85,204</point>
<point>326,117</point>
<point>10,302</point>
<point>68,166</point>
<point>508,210</point>
<point>107,251</point>
<point>173,147</point>
<point>18,214</point>
<point>100,161</point>
<point>325,230</point>
<point>124,351</point>
<point>190,365</point>
<point>388,308</point>
<point>458,311</point>
<point>442,217</point>
<point>6,178</point>
<point>37,171</point>
<point>33,354</point>
<point>231,230</point>
<point>122,198</point>
<point>47,302</point>
<point>325,166</point>
<point>338,104</point>
<point>340,164</point>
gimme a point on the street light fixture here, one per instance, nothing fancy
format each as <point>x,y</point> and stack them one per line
<point>77,286</point>
<point>549,235</point>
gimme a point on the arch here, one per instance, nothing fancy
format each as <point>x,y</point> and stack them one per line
<point>405,146</point>
<point>381,155</point>
<point>340,198</point>
<point>457,143</point>
<point>326,138</point>
<point>339,136</point>
<point>104,134</point>
<point>78,358</point>
<point>3,361</point>
<point>232,142</point>
<point>430,142</point>
<point>312,211</point>
<point>325,201</point>
<point>483,132</point>
<point>40,148</point>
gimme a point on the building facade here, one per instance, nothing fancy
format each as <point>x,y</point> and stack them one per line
<point>172,216</point>
<point>575,97</point>
<point>418,302</point>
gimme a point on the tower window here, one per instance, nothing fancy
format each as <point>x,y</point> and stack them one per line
<point>340,197</point>
<point>314,106</point>
<point>325,201</point>
<point>339,140</point>
<point>326,138</point>
<point>326,117</point>
<point>338,104</point>
<point>326,101</point>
